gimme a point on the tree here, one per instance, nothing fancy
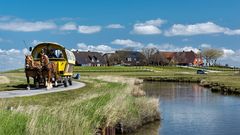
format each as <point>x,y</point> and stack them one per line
<point>211,55</point>
<point>148,52</point>
<point>159,59</point>
<point>114,59</point>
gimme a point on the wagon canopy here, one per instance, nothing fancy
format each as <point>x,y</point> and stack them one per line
<point>55,52</point>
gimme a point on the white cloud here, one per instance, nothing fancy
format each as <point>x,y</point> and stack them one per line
<point>24,26</point>
<point>12,59</point>
<point>205,45</point>
<point>189,48</point>
<point>199,29</point>
<point>230,57</point>
<point>89,29</point>
<point>157,22</point>
<point>227,52</point>
<point>69,26</point>
<point>151,45</point>
<point>232,32</point>
<point>194,29</point>
<point>8,52</point>
<point>150,27</point>
<point>115,26</point>
<point>95,48</point>
<point>172,48</point>
<point>127,43</point>
<point>146,30</point>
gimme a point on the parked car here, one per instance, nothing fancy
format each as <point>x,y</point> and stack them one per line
<point>200,71</point>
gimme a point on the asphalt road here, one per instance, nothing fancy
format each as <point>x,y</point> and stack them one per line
<point>32,92</point>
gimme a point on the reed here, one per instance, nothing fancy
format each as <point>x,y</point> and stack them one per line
<point>108,102</point>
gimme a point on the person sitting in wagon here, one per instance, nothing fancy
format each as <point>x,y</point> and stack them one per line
<point>52,54</point>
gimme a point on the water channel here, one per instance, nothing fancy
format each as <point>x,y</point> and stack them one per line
<point>189,109</point>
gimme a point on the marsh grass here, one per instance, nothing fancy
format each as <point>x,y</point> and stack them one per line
<point>16,81</point>
<point>12,123</point>
<point>105,101</point>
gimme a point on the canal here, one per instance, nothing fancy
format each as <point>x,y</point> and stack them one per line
<point>189,109</point>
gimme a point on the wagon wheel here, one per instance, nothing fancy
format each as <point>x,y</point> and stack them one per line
<point>65,82</point>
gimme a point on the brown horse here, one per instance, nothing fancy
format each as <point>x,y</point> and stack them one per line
<point>32,69</point>
<point>49,70</point>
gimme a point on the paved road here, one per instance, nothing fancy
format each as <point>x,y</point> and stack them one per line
<point>23,93</point>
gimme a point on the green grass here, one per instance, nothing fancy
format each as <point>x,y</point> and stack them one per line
<point>222,68</point>
<point>110,69</point>
<point>78,111</point>
<point>17,81</point>
<point>225,76</point>
<point>99,104</point>
<point>12,123</point>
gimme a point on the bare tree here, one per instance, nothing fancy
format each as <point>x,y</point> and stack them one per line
<point>159,59</point>
<point>148,52</point>
<point>211,55</point>
<point>114,59</point>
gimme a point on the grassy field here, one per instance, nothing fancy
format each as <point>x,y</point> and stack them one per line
<point>105,101</point>
<point>110,97</point>
<point>224,76</point>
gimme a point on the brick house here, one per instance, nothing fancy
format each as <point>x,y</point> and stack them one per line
<point>185,58</point>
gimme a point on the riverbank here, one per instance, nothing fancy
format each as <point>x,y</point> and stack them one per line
<point>106,101</point>
<point>189,109</point>
<point>222,85</point>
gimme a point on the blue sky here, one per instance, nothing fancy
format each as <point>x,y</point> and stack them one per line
<point>107,25</point>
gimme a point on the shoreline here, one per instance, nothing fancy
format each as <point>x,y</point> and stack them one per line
<point>147,108</point>
<point>213,86</point>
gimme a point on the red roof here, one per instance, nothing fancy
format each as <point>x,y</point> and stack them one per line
<point>169,55</point>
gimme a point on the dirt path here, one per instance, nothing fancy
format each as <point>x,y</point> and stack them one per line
<point>23,93</point>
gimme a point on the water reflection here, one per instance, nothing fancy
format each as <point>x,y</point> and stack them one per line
<point>190,109</point>
<point>149,129</point>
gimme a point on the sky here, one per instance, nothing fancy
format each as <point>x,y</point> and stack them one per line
<point>109,25</point>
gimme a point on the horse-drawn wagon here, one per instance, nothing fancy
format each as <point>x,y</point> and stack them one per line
<point>52,63</point>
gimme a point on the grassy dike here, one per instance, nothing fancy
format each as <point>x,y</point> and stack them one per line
<point>106,101</point>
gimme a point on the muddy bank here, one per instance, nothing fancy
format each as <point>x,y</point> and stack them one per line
<point>172,79</point>
<point>218,87</point>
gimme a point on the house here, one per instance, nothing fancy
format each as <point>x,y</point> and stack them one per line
<point>127,58</point>
<point>188,58</point>
<point>108,58</point>
<point>159,58</point>
<point>89,59</point>
<point>168,55</point>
